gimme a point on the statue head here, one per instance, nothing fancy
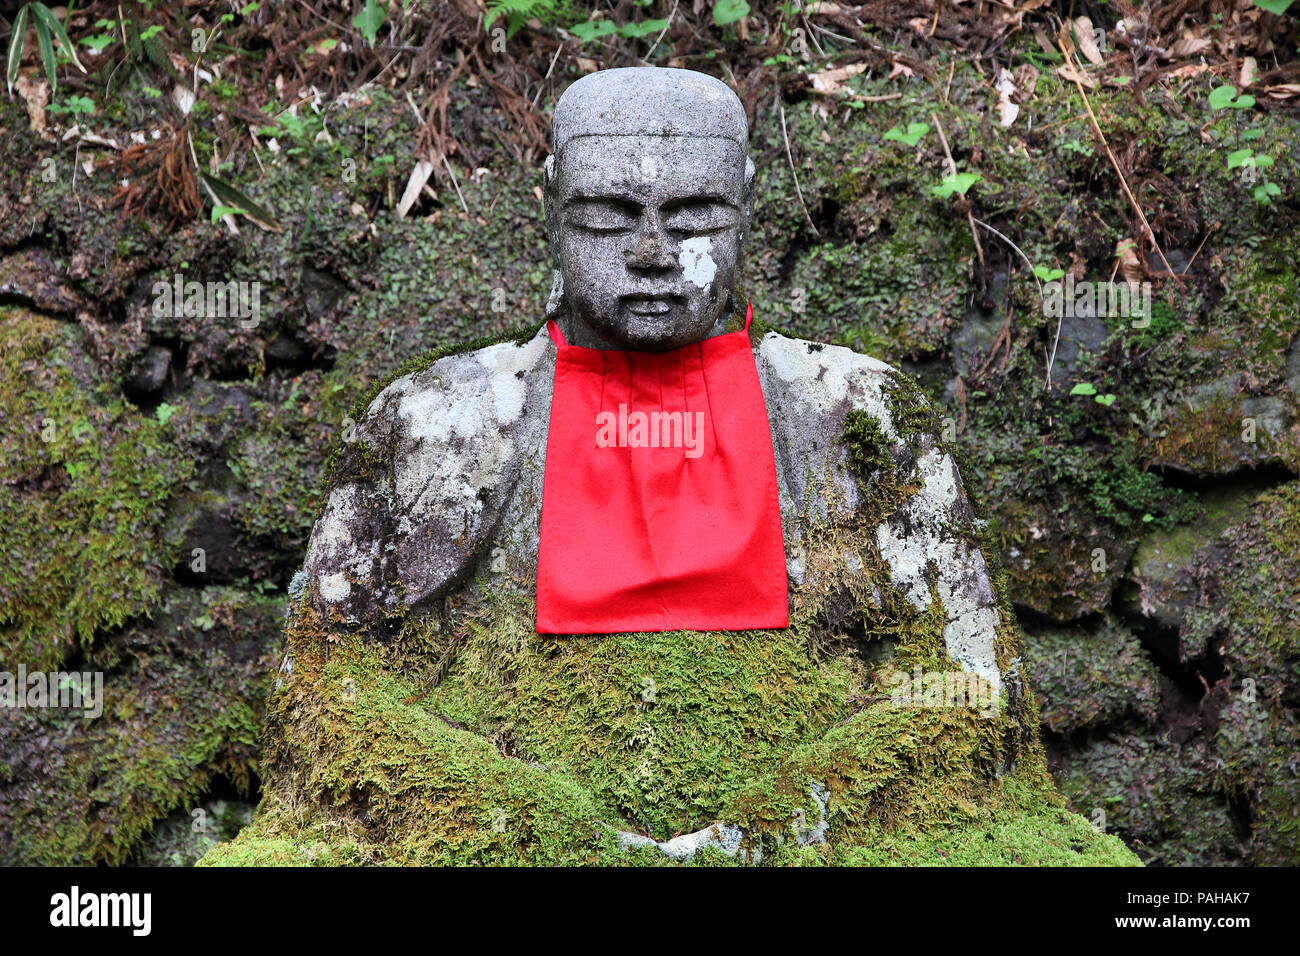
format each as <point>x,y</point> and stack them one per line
<point>648,196</point>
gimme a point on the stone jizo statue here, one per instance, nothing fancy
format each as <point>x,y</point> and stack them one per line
<point>424,559</point>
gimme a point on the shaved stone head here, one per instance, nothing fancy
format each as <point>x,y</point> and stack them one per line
<point>649,101</point>
<point>648,196</point>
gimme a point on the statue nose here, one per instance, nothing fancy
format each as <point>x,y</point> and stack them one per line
<point>651,252</point>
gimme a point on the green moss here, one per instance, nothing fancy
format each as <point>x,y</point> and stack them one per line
<point>84,486</point>
<point>277,459</point>
<point>472,739</point>
<point>1018,828</point>
<point>420,790</point>
<point>1155,794</point>
<point>913,414</point>
<point>1091,676</point>
<point>664,728</point>
<point>867,443</point>
<point>183,703</point>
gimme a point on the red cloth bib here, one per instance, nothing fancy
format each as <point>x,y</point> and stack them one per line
<point>659,502</point>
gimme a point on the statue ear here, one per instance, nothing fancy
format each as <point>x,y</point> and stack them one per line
<point>747,202</point>
<point>555,301</point>
<point>548,197</point>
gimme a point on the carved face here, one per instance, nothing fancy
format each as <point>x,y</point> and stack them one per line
<point>647,233</point>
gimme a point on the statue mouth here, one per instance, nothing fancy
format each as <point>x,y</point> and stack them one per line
<point>649,304</point>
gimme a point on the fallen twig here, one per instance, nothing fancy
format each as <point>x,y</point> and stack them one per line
<point>790,156</point>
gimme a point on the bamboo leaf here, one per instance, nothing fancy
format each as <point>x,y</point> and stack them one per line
<point>46,14</point>
<point>16,41</point>
<point>47,51</point>
<point>224,194</point>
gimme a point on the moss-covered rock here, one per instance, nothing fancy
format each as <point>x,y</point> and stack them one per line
<point>539,750</point>
<point>1186,739</point>
<point>183,700</point>
<point>84,486</point>
<point>1157,795</point>
<point>1096,676</point>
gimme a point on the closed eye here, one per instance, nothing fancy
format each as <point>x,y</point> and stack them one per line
<point>698,218</point>
<point>602,216</point>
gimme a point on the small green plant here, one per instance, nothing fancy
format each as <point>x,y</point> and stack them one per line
<point>1246,159</point>
<point>102,40</point>
<point>369,20</point>
<point>1250,162</point>
<point>49,31</point>
<point>909,138</point>
<point>595,29</point>
<point>1074,146</point>
<point>1225,97</point>
<point>1084,388</point>
<point>727,12</point>
<point>519,12</point>
<point>956,183</point>
<point>74,105</point>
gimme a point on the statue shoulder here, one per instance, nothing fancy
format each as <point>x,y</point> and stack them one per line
<point>817,385</point>
<point>418,488</point>
<point>854,429</point>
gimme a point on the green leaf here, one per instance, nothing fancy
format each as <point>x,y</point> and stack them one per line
<point>1107,400</point>
<point>81,104</point>
<point>220,211</point>
<point>1277,7</point>
<point>16,40</point>
<point>224,194</point>
<point>1221,97</point>
<point>1083,388</point>
<point>369,20</point>
<point>634,31</point>
<point>1238,158</point>
<point>45,15</point>
<point>726,12</point>
<point>47,51</point>
<point>1225,97</point>
<point>163,412</point>
<point>1048,275</point>
<point>98,43</point>
<point>913,135</point>
<point>593,29</point>
<point>957,183</point>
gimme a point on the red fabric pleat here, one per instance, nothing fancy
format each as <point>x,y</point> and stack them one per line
<point>642,538</point>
